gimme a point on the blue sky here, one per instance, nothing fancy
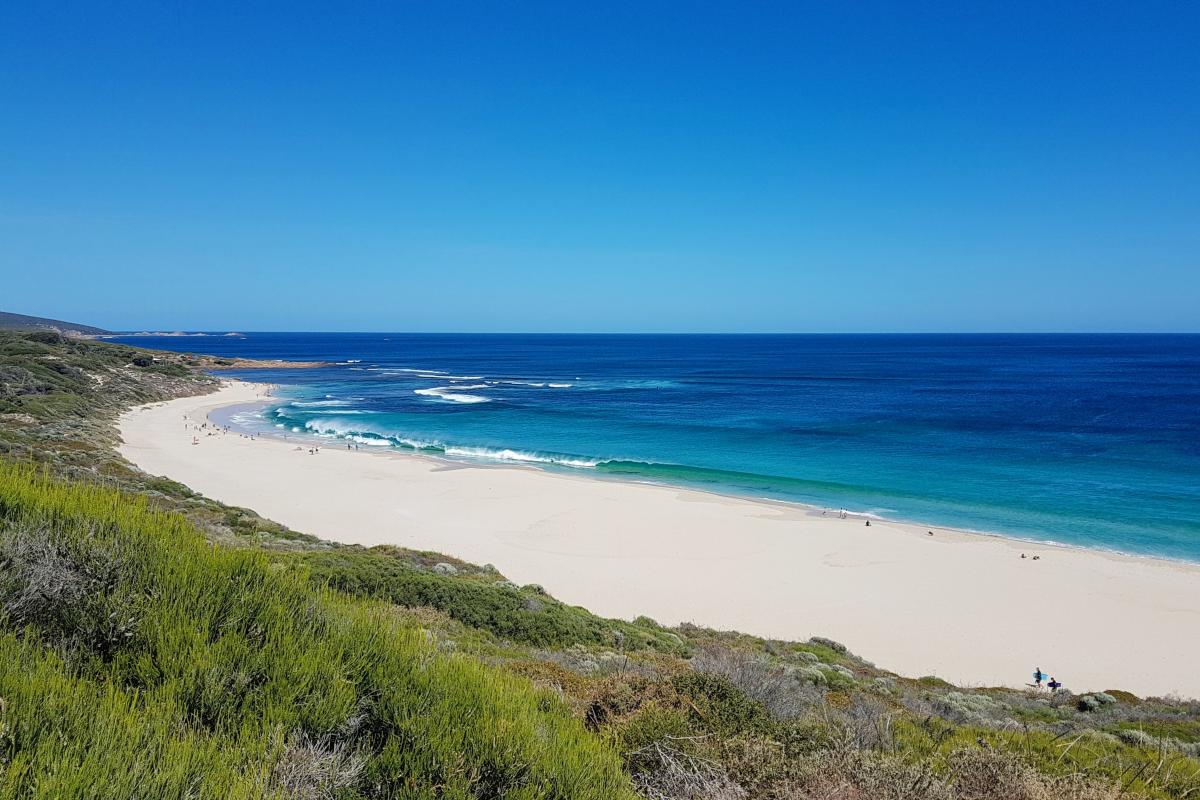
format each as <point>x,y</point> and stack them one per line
<point>595,167</point>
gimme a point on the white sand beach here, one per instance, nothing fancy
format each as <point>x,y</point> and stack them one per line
<point>964,607</point>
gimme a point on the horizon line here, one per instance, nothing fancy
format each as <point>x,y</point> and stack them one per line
<point>247,331</point>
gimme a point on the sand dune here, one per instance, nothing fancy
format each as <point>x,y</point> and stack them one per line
<point>964,607</point>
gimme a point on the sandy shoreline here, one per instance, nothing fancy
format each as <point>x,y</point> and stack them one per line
<point>962,606</point>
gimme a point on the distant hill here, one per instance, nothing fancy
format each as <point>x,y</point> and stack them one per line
<point>22,322</point>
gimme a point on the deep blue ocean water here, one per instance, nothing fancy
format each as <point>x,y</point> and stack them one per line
<point>1084,439</point>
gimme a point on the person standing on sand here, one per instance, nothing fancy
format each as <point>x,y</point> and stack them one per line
<point>1038,677</point>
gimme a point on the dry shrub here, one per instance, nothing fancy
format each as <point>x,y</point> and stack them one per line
<point>778,690</point>
<point>986,774</point>
<point>69,592</point>
<point>671,772</point>
<point>41,584</point>
<point>847,774</point>
<point>754,762</point>
<point>316,768</point>
<point>867,722</point>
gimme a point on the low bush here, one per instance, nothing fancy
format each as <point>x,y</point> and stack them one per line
<point>478,601</point>
<point>781,691</point>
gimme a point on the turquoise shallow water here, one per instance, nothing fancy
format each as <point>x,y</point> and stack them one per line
<point>1084,439</point>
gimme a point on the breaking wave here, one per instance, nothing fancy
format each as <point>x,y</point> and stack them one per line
<point>319,403</point>
<point>453,393</point>
<point>523,456</point>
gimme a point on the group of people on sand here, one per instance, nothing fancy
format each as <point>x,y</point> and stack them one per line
<point>215,430</point>
<point>1039,676</point>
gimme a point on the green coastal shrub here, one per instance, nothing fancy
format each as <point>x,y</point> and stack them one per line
<point>720,706</point>
<point>523,616</point>
<point>239,680</point>
<point>1137,738</point>
<point>836,647</point>
<point>973,709</point>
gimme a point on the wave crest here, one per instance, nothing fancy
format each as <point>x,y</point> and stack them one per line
<point>319,403</point>
<point>523,456</point>
<point>452,393</point>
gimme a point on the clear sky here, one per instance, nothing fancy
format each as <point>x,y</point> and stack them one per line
<point>602,167</point>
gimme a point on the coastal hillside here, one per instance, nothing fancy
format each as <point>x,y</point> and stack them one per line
<point>156,643</point>
<point>10,321</point>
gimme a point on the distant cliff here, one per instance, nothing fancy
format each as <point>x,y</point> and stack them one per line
<point>9,321</point>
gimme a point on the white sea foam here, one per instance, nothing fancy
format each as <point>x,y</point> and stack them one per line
<point>519,455</point>
<point>436,374</point>
<point>333,425</point>
<point>369,441</point>
<point>319,403</point>
<point>450,393</point>
<point>352,430</point>
<point>355,411</point>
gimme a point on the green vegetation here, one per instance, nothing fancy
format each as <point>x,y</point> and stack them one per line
<point>59,397</point>
<point>140,658</point>
<point>155,643</point>
<point>480,599</point>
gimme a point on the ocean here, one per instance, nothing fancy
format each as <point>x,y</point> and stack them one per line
<point>1090,440</point>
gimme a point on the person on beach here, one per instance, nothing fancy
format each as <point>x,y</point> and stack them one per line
<point>1053,685</point>
<point>1038,677</point>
